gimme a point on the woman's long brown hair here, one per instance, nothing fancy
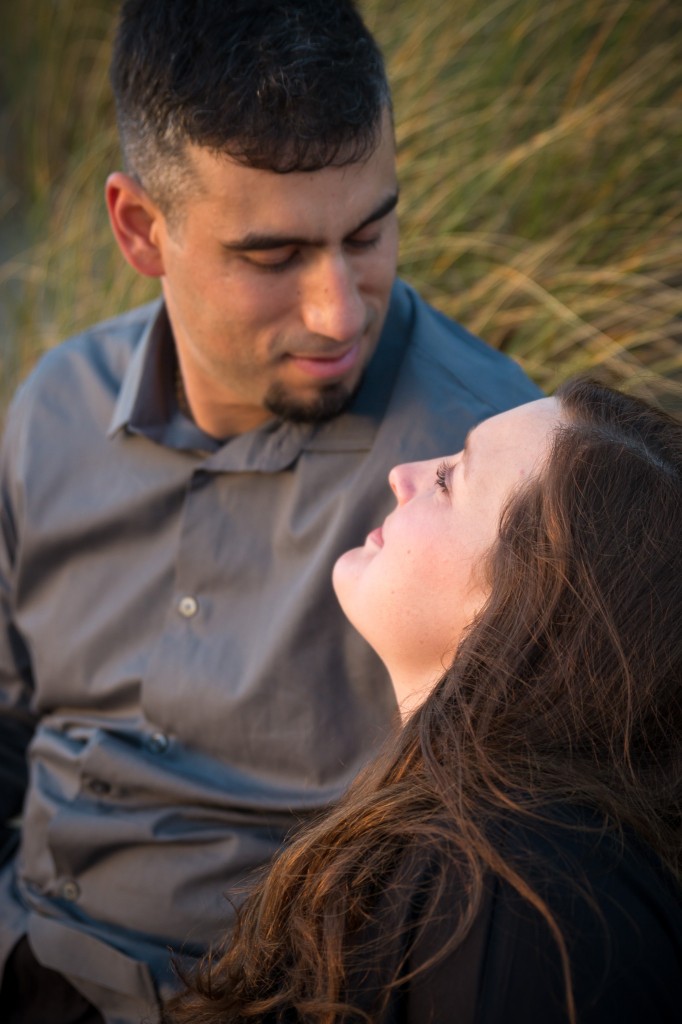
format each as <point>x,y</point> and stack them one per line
<point>565,690</point>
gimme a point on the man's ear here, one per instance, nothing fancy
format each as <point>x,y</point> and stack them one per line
<point>135,221</point>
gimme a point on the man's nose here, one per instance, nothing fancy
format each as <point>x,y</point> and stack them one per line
<point>332,305</point>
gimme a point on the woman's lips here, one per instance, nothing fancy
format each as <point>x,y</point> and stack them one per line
<point>327,366</point>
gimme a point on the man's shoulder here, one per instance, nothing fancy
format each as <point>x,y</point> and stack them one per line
<point>74,386</point>
<point>95,358</point>
<point>127,327</point>
<point>444,357</point>
<point>107,344</point>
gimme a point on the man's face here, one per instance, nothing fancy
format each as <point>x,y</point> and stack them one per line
<point>277,285</point>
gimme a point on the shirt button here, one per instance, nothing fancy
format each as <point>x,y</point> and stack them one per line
<point>157,743</point>
<point>71,891</point>
<point>188,607</point>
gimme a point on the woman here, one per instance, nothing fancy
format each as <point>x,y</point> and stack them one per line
<point>514,854</point>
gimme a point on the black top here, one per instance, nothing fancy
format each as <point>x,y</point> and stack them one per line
<point>620,914</point>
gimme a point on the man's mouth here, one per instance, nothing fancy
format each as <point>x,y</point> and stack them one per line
<point>324,366</point>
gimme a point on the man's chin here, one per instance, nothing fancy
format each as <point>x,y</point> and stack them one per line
<point>327,403</point>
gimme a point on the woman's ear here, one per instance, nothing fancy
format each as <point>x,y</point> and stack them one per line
<point>134,221</point>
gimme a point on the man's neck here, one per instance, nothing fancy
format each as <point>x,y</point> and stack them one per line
<point>218,420</point>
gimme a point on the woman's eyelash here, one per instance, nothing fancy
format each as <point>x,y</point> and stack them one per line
<point>441,472</point>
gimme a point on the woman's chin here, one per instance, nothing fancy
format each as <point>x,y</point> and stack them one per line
<point>345,576</point>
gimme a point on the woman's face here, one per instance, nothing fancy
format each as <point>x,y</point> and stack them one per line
<point>415,584</point>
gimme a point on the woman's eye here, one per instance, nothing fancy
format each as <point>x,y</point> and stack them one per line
<point>441,474</point>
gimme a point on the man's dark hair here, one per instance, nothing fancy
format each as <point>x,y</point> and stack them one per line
<point>285,85</point>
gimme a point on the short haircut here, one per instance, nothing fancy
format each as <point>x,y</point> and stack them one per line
<point>284,85</point>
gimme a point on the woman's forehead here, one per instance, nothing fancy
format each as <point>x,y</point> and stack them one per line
<point>522,424</point>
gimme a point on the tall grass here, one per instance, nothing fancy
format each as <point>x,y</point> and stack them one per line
<point>539,146</point>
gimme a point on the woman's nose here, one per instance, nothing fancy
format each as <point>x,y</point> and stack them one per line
<point>401,480</point>
<point>411,478</point>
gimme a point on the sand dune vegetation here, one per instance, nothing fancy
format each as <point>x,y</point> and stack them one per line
<point>539,148</point>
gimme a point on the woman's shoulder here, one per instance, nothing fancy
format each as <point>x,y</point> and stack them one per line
<point>618,909</point>
<point>579,842</point>
<point>619,912</point>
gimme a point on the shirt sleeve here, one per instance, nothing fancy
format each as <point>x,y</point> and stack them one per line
<point>16,718</point>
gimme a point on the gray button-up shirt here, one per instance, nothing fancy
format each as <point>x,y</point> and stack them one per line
<point>168,626</point>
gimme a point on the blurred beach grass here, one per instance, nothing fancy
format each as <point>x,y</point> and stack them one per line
<point>539,146</point>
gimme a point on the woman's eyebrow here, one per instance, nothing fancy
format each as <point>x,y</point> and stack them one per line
<point>466,452</point>
<point>257,240</point>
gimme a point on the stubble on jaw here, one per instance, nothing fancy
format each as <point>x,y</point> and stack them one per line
<point>330,401</point>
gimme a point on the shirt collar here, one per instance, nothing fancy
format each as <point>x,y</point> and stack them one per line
<point>147,401</point>
<point>144,398</point>
<point>147,405</point>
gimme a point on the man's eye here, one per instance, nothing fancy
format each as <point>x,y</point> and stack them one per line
<point>272,263</point>
<point>363,242</point>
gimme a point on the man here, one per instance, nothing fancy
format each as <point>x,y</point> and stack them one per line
<point>177,484</point>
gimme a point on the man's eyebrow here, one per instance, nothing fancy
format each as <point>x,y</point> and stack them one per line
<point>382,210</point>
<point>256,240</point>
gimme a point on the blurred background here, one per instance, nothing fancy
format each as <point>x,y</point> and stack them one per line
<point>540,156</point>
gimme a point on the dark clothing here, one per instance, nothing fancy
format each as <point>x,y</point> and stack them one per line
<point>33,994</point>
<point>620,914</point>
<point>168,629</point>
